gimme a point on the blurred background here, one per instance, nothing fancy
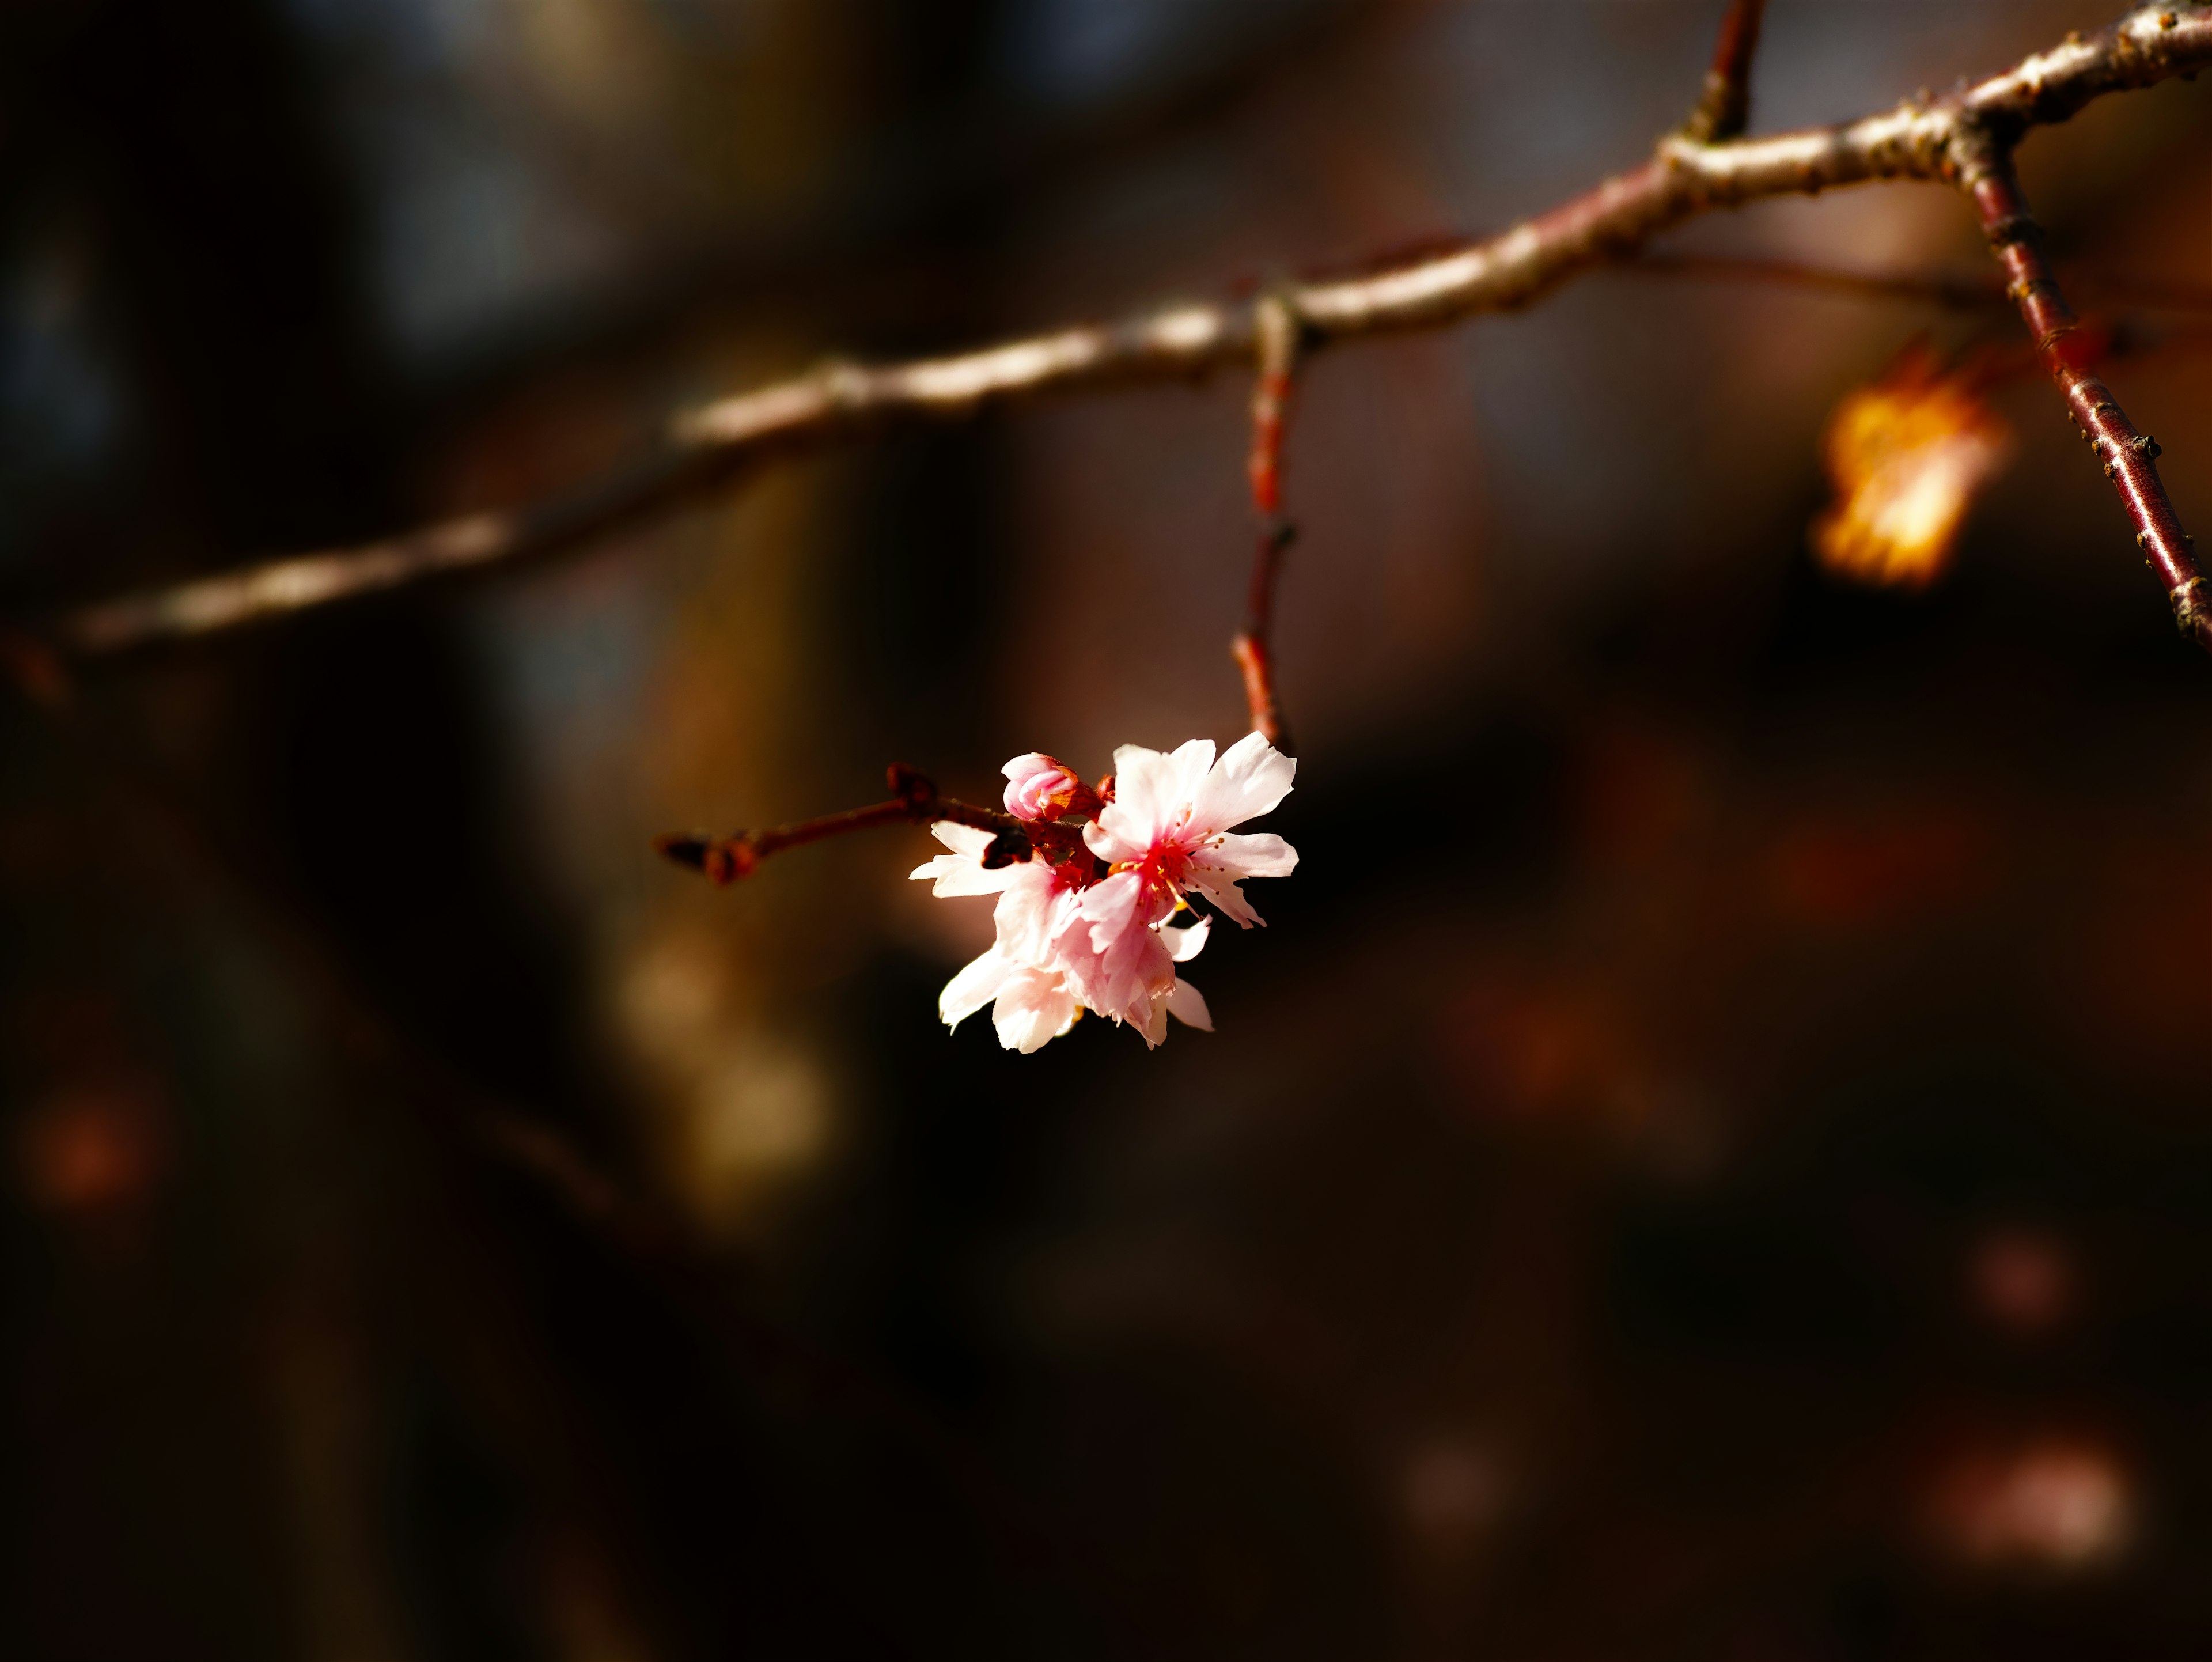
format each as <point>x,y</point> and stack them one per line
<point>1712,1158</point>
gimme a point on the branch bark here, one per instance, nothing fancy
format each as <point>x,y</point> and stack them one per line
<point>1276,331</point>
<point>1725,105</point>
<point>1953,138</point>
<point>914,800</point>
<point>2069,355</point>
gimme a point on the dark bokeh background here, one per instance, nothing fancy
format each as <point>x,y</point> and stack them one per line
<point>1712,1158</point>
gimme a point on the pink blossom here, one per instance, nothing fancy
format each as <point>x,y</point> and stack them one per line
<point>1070,939</point>
<point>1032,1005</point>
<point>1168,830</point>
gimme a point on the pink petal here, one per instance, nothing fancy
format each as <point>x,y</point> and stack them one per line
<point>1034,1009</point>
<point>976,985</point>
<point>1250,779</point>
<point>1185,1005</point>
<point>1150,794</point>
<point>1151,1021</point>
<point>1225,894</point>
<point>1038,786</point>
<point>1184,944</point>
<point>1032,911</point>
<point>962,872</point>
<point>1240,854</point>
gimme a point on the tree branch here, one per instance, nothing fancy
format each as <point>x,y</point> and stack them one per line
<point>1725,105</point>
<point>1276,331</point>
<point>1950,137</point>
<point>914,800</point>
<point>2069,354</point>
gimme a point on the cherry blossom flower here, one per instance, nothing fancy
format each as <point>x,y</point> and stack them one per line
<point>1168,830</point>
<point>1092,932</point>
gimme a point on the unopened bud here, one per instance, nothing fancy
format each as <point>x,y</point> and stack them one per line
<point>1044,788</point>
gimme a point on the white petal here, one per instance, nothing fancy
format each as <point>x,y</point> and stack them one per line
<point>976,985</point>
<point>1217,887</point>
<point>1143,782</point>
<point>1107,836</point>
<point>957,875</point>
<point>1150,794</point>
<point>1193,760</point>
<point>1184,944</point>
<point>1185,1005</point>
<point>961,871</point>
<point>1238,855</point>
<point>1154,1024</point>
<point>971,840</point>
<point>1034,1009</point>
<point>1250,779</point>
<point>1032,912</point>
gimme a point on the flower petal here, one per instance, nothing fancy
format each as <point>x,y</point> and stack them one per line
<point>1193,760</point>
<point>976,985</point>
<point>1153,1021</point>
<point>1033,912</point>
<point>1035,1008</point>
<point>1038,786</point>
<point>961,871</point>
<point>1184,944</point>
<point>1220,888</point>
<point>1127,958</point>
<point>1185,1005</point>
<point>1250,779</point>
<point>1240,854</point>
<point>1150,792</point>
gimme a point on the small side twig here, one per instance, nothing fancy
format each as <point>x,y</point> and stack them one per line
<point>2069,354</point>
<point>1254,647</point>
<point>1276,330</point>
<point>1725,105</point>
<point>914,800</point>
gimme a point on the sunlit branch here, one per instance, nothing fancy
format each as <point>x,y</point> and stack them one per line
<point>1254,647</point>
<point>1277,330</point>
<point>1946,137</point>
<point>914,800</point>
<point>1725,105</point>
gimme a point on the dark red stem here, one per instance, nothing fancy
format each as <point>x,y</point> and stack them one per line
<point>2069,354</point>
<point>914,800</point>
<point>1252,647</point>
<point>1725,105</point>
<point>1276,329</point>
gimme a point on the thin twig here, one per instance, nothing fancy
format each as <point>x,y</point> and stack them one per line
<point>1725,105</point>
<point>2068,353</point>
<point>1944,137</point>
<point>914,800</point>
<point>1276,328</point>
<point>1254,648</point>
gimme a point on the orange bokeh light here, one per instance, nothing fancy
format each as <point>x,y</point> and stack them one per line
<point>1906,456</point>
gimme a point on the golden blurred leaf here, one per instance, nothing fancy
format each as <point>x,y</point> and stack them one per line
<point>1906,456</point>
